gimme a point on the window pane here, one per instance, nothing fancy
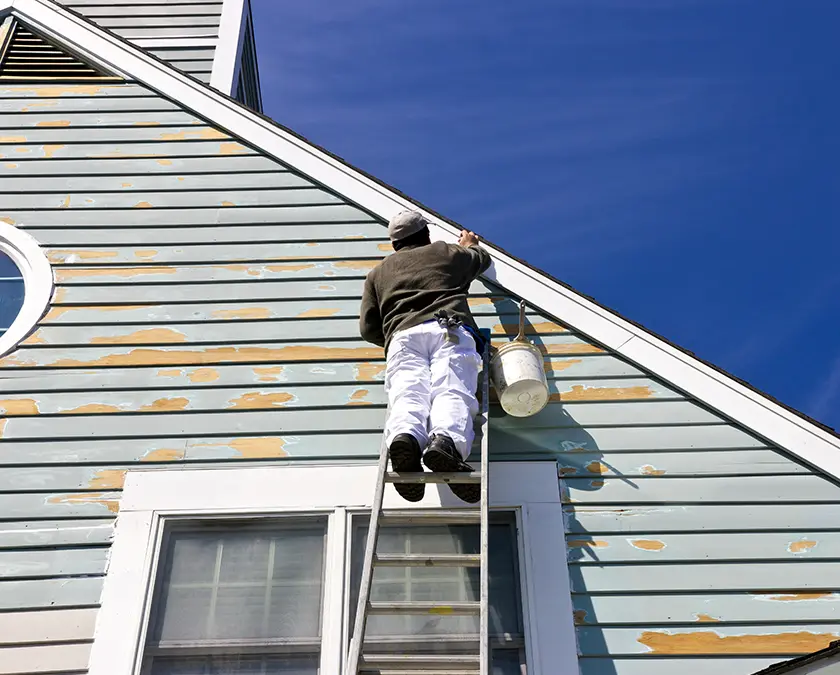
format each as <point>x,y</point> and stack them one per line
<point>11,292</point>
<point>227,665</point>
<point>245,584</point>
<point>441,583</point>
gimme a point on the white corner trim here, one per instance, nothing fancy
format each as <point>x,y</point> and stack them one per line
<point>37,279</point>
<point>227,58</point>
<point>151,495</point>
<point>724,394</point>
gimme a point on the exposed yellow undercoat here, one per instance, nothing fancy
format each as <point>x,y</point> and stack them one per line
<point>709,642</point>
<point>145,336</point>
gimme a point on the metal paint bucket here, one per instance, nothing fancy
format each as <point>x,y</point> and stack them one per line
<point>518,374</point>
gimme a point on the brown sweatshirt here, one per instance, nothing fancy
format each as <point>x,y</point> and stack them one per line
<point>412,285</point>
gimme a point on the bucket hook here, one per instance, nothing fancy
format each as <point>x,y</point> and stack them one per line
<point>521,336</point>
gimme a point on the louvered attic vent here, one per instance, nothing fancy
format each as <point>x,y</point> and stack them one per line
<point>27,57</point>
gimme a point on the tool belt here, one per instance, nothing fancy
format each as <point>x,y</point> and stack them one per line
<point>451,323</point>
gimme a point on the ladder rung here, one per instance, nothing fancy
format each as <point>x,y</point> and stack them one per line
<point>437,517</point>
<point>413,671</point>
<point>429,560</point>
<point>420,664</point>
<point>430,477</point>
<point>418,607</point>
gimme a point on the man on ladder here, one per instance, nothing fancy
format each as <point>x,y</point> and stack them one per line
<point>415,305</point>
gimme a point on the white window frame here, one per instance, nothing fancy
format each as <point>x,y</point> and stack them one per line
<point>37,283</point>
<point>530,489</point>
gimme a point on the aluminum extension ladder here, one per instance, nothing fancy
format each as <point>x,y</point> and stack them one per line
<point>359,663</point>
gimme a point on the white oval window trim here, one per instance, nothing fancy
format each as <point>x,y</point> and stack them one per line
<point>37,283</point>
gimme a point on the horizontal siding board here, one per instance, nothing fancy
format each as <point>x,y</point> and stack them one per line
<point>701,463</point>
<point>59,505</point>
<point>653,665</point>
<point>217,235</point>
<point>58,659</point>
<point>288,309</point>
<point>107,134</point>
<point>184,217</point>
<point>259,331</point>
<point>120,150</point>
<point>748,576</point>
<point>31,92</point>
<point>643,520</point>
<point>207,399</point>
<point>69,625</point>
<point>134,33</point>
<point>90,105</point>
<point>364,418</point>
<point>176,54</point>
<point>795,545</point>
<point>25,383</point>
<point>78,5</point>
<point>50,593</point>
<point>68,120</point>
<point>165,20</point>
<point>51,563</point>
<point>137,11</point>
<point>754,640</point>
<point>707,608</point>
<point>799,488</point>
<point>48,533</point>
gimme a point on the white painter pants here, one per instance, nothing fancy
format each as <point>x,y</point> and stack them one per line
<point>431,385</point>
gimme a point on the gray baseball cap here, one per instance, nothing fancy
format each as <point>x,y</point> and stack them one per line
<point>405,224</point>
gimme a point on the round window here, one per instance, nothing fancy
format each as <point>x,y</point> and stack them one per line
<point>11,292</point>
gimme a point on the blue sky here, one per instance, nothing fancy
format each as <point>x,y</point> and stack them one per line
<point>674,159</point>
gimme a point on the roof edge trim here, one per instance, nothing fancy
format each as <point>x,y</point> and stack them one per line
<point>720,391</point>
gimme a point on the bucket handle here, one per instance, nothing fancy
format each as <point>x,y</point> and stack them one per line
<point>521,336</point>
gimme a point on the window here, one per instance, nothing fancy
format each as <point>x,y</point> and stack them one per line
<point>253,571</point>
<point>25,285</point>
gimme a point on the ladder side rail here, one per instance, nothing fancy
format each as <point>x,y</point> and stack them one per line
<point>484,620</point>
<point>356,643</point>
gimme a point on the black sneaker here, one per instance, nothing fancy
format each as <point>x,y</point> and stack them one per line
<point>405,458</point>
<point>442,457</point>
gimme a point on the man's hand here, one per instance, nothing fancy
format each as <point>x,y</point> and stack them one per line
<point>467,238</point>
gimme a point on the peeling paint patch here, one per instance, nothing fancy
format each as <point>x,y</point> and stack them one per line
<point>56,312</point>
<point>156,357</point>
<point>20,406</point>
<point>87,498</point>
<point>12,165</point>
<point>385,247</point>
<point>66,203</point>
<point>12,139</point>
<point>648,470</point>
<point>579,392</point>
<point>50,150</point>
<point>318,313</point>
<point>597,467</point>
<point>542,328</point>
<point>66,90</point>
<point>647,544</point>
<point>596,483</point>
<point>269,374</point>
<point>123,272</point>
<point>125,185</point>
<point>709,642</point>
<point>705,618</point>
<point>60,255</point>
<point>797,597</point>
<point>358,397</point>
<point>91,408</point>
<point>163,455</point>
<point>227,203</point>
<point>108,479</point>
<point>166,405</point>
<point>145,254</point>
<point>258,400</point>
<point>231,148</point>
<point>203,134</point>
<point>587,543</point>
<point>204,375</point>
<point>559,366</point>
<point>360,265</point>
<point>147,124</point>
<point>54,123</point>
<point>369,371</point>
<point>479,302</point>
<point>165,162</point>
<point>3,423</point>
<point>244,313</point>
<point>290,267</point>
<point>143,205</point>
<point>177,372</point>
<point>579,617</point>
<point>801,546</point>
<point>580,348</point>
<point>567,471</point>
<point>269,447</point>
<point>7,220</point>
<point>148,335</point>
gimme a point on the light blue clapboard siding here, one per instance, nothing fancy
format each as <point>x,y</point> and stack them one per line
<point>205,313</point>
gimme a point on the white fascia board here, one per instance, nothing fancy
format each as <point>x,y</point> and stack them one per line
<point>227,58</point>
<point>721,393</point>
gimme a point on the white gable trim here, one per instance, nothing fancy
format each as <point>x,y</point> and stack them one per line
<point>720,392</point>
<point>227,59</point>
